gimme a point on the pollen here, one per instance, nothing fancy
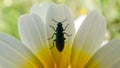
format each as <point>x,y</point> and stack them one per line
<point>83,11</point>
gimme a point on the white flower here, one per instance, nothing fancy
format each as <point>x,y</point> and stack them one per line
<point>82,49</point>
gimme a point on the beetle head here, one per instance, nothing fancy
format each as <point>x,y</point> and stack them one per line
<point>59,24</point>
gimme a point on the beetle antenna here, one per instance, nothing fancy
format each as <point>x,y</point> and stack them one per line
<point>54,20</point>
<point>64,20</point>
<point>57,21</point>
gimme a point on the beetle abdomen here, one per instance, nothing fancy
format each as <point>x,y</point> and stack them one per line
<point>60,44</point>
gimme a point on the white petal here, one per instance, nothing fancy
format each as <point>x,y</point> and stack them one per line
<point>33,35</point>
<point>60,13</point>
<point>106,57</point>
<point>116,64</point>
<point>79,21</point>
<point>88,39</point>
<point>14,54</point>
<point>32,31</point>
<point>40,10</point>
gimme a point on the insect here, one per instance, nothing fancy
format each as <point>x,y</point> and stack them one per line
<point>59,32</point>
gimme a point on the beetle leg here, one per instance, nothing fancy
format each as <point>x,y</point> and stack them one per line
<point>67,34</point>
<point>66,26</point>
<point>53,44</point>
<point>52,28</point>
<point>52,36</point>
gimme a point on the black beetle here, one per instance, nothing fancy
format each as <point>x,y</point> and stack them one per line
<point>59,35</point>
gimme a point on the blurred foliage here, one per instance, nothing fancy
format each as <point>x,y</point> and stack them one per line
<point>10,10</point>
